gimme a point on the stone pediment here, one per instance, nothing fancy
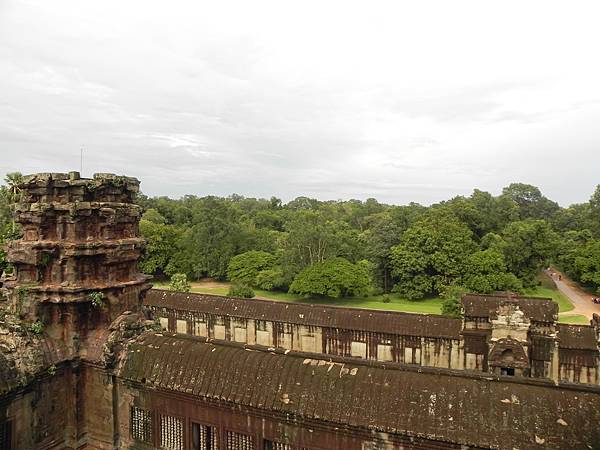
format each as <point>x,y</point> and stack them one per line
<point>508,352</point>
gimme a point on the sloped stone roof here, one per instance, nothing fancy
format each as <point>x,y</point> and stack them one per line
<point>310,314</point>
<point>580,337</point>
<point>537,309</point>
<point>439,404</point>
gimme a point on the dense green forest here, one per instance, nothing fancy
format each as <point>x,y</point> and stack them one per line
<point>480,243</point>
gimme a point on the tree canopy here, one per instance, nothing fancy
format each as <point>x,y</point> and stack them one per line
<point>432,253</point>
<point>336,277</point>
<point>482,242</point>
<point>246,267</point>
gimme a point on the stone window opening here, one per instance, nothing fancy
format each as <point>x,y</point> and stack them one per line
<point>238,441</point>
<point>141,425</point>
<point>181,326</point>
<point>374,445</point>
<point>273,445</point>
<point>5,435</point>
<point>164,323</point>
<point>358,349</point>
<point>171,433</point>
<point>204,437</point>
<point>507,357</point>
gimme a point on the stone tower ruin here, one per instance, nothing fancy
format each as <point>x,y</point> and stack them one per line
<point>75,267</point>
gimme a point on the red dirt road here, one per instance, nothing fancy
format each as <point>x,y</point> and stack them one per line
<point>581,299</point>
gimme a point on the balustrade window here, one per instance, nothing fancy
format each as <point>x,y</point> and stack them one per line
<point>204,437</point>
<point>239,441</point>
<point>272,445</point>
<point>181,326</point>
<point>375,445</point>
<point>141,425</point>
<point>171,433</point>
<point>5,435</point>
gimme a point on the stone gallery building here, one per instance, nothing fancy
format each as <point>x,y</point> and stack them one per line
<point>90,357</point>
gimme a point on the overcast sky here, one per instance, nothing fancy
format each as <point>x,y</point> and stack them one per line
<point>401,101</point>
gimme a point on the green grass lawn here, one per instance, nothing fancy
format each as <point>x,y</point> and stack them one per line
<point>574,319</point>
<point>397,303</point>
<point>564,304</point>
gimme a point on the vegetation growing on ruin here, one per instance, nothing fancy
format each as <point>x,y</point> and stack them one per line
<point>97,299</point>
<point>9,229</point>
<point>36,327</point>
<point>52,370</point>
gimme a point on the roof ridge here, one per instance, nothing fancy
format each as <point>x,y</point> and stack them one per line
<point>367,363</point>
<point>311,305</point>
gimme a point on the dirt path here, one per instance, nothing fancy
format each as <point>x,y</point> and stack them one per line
<point>581,299</point>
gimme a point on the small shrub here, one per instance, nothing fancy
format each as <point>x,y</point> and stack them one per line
<point>156,326</point>
<point>386,298</point>
<point>180,283</point>
<point>21,292</point>
<point>376,291</point>
<point>36,327</point>
<point>52,370</point>
<point>452,304</point>
<point>45,260</point>
<point>238,290</point>
<point>97,299</point>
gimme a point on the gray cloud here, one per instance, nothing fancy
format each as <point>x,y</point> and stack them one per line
<point>271,100</point>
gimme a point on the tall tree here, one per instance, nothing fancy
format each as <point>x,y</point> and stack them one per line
<point>312,239</point>
<point>595,211</point>
<point>336,277</point>
<point>246,267</point>
<point>384,232</point>
<point>433,253</point>
<point>587,264</point>
<point>532,204</point>
<point>162,243</point>
<point>529,246</point>
<point>13,180</point>
<point>494,212</point>
<point>487,273</point>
